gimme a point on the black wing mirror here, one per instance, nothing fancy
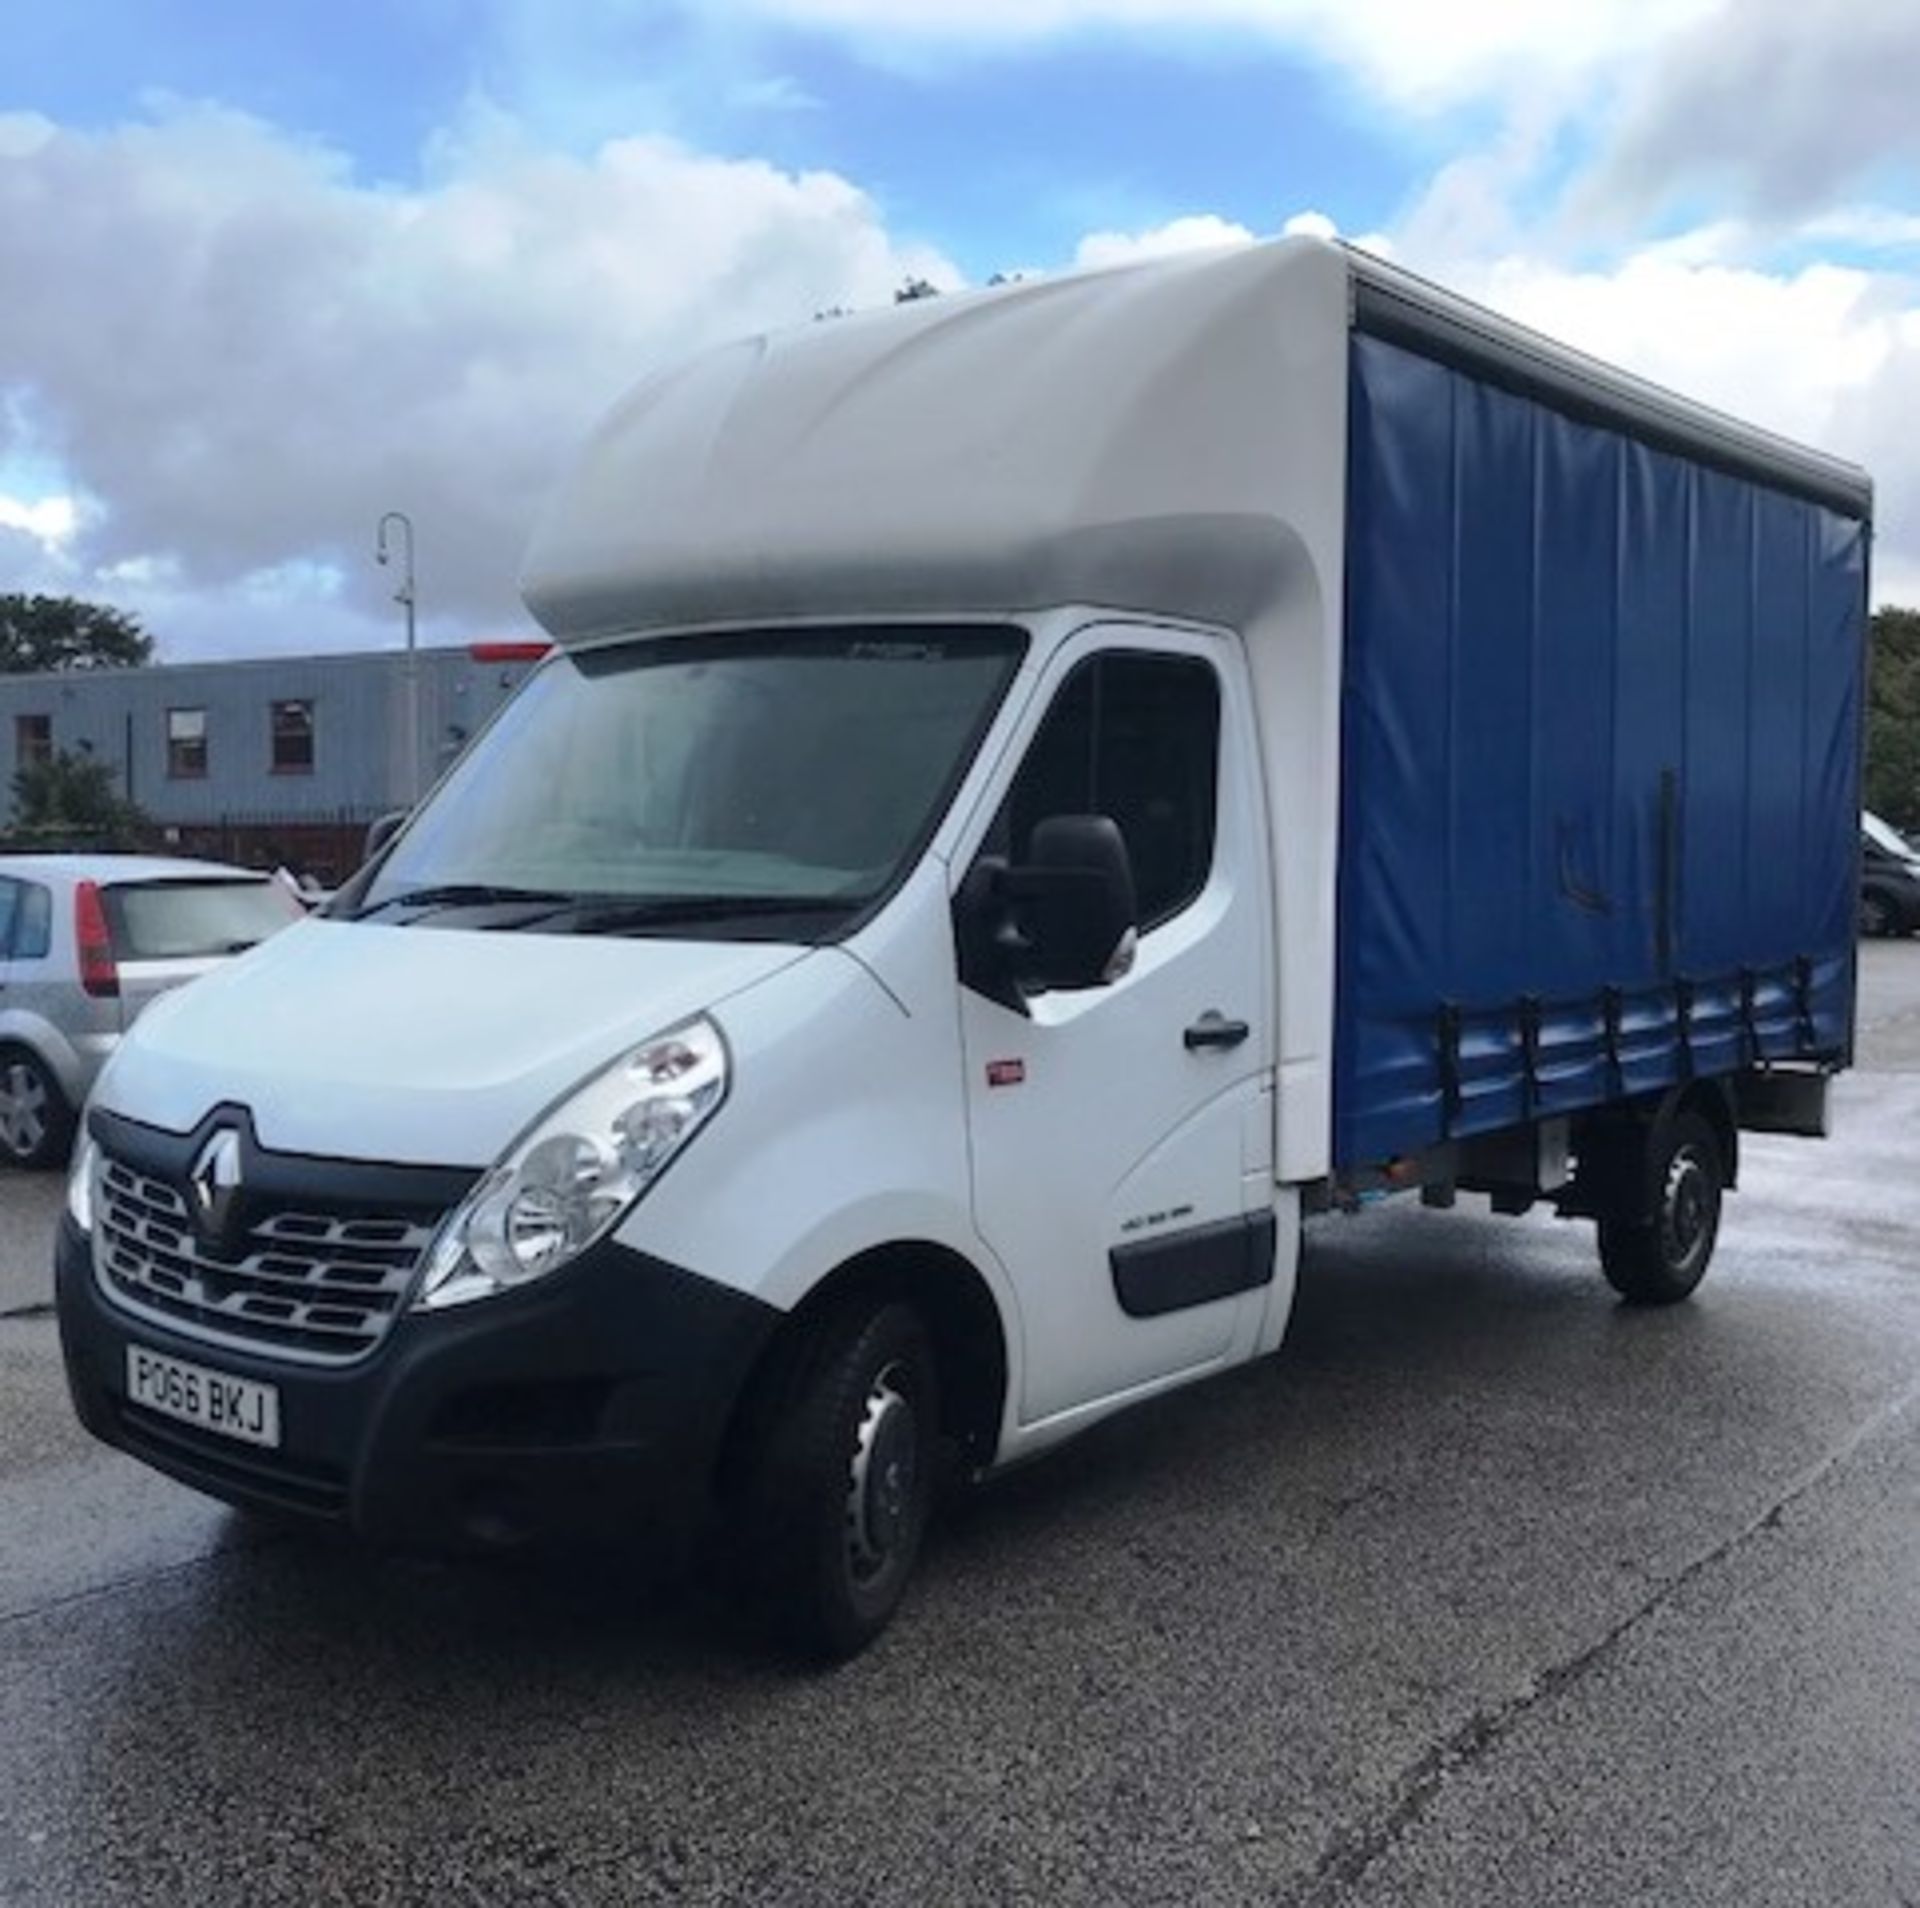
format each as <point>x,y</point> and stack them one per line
<point>1066,918</point>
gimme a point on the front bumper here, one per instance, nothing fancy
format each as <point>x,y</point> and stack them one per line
<point>589,1407</point>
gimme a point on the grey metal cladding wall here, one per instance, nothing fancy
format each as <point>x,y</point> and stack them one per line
<point>459,696</point>
<point>352,746</point>
<point>359,704</point>
<point>114,712</point>
<point>87,714</point>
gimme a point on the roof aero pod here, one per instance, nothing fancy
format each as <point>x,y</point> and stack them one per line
<point>1117,438</point>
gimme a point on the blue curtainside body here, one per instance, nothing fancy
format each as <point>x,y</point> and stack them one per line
<point>1601,764</point>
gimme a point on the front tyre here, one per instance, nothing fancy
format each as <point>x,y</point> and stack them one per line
<point>1660,1259</point>
<point>845,1481</point>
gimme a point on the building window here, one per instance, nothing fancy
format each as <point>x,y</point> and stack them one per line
<point>293,738</point>
<point>32,740</point>
<point>187,745</point>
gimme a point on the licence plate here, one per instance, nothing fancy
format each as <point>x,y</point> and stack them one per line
<point>212,1400</point>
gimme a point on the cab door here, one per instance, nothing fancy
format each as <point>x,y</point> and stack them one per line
<point>1121,1134</point>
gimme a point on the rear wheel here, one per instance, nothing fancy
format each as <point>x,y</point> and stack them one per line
<point>844,1483</point>
<point>1876,916</point>
<point>1658,1258</point>
<point>36,1123</point>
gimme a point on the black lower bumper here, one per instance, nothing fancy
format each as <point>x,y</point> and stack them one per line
<point>591,1406</point>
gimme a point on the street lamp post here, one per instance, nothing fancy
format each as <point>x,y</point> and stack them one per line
<point>404,596</point>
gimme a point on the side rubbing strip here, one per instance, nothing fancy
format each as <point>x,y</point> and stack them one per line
<point>1193,1267</point>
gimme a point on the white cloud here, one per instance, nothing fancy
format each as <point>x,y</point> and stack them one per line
<point>775,93</point>
<point>1780,349</point>
<point>1775,101</point>
<point>1319,225</point>
<point>247,355</point>
<point>1412,49</point>
<point>1207,231</point>
<point>1200,233</point>
<point>22,134</point>
<point>1867,228</point>
<point>50,522</point>
<point>1310,225</point>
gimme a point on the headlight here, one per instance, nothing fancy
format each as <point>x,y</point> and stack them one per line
<point>86,1162</point>
<point>568,1180</point>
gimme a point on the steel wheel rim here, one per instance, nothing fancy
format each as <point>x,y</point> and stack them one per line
<point>23,1109</point>
<point>883,1480</point>
<point>1687,1209</point>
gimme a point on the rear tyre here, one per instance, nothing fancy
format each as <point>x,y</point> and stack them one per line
<point>844,1485</point>
<point>36,1123</point>
<point>1660,1259</point>
<point>1876,917</point>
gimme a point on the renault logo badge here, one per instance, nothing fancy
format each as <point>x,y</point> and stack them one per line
<point>214,1183</point>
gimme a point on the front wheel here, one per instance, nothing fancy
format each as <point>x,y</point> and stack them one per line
<point>1876,917</point>
<point>36,1123</point>
<point>844,1485</point>
<point>1659,1260</point>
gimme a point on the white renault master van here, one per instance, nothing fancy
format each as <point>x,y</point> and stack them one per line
<point>871,996</point>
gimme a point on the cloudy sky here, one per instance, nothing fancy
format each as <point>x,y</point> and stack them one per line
<point>271,270</point>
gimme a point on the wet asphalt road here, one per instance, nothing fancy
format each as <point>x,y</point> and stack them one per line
<point>1484,1591</point>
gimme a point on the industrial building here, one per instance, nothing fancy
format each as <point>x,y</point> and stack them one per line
<point>267,760</point>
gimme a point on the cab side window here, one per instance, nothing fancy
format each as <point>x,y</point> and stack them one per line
<point>1136,738</point>
<point>9,908</point>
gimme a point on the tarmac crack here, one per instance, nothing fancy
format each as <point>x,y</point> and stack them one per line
<point>1351,1854</point>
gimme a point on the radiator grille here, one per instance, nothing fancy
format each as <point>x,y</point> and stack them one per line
<point>320,1286</point>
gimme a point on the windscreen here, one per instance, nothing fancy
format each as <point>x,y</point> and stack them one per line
<point>194,920</point>
<point>740,775</point>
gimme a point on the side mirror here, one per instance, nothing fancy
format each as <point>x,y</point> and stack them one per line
<point>1076,899</point>
<point>1066,918</point>
<point>383,831</point>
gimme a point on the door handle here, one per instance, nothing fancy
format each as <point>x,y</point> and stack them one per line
<point>1214,1029</point>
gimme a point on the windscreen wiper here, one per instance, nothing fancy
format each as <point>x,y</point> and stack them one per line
<point>670,910</point>
<point>466,894</point>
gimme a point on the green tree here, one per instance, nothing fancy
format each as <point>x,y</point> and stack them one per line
<point>1893,718</point>
<point>61,632</point>
<point>72,798</point>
